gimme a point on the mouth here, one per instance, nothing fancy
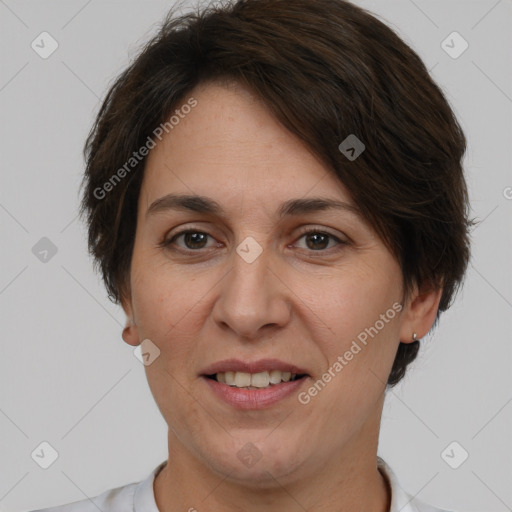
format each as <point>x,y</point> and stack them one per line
<point>253,385</point>
<point>260,380</point>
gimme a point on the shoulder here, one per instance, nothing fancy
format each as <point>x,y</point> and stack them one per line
<point>120,498</point>
<point>401,501</point>
<point>423,507</point>
<point>137,497</point>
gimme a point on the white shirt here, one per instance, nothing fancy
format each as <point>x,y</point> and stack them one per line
<point>140,497</point>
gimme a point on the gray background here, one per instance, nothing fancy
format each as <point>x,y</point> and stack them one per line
<point>67,378</point>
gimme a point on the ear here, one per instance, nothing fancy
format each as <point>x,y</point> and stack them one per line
<point>130,332</point>
<point>420,312</point>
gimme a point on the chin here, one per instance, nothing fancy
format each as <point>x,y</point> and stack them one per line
<point>260,464</point>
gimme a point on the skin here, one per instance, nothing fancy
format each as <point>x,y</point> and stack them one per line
<point>303,300</point>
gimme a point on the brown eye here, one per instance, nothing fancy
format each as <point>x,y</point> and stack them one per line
<point>318,240</point>
<point>195,240</point>
<point>191,240</point>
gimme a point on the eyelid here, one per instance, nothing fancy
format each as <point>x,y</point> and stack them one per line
<point>305,230</point>
<point>343,239</point>
<point>170,236</point>
<point>340,241</point>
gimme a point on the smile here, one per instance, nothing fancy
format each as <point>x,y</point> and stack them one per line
<point>260,380</point>
<point>253,385</point>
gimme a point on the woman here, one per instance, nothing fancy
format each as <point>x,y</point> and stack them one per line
<point>275,196</point>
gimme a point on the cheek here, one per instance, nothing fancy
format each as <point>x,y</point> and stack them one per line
<point>157,316</point>
<point>351,300</point>
<point>161,299</point>
<point>166,309</point>
<point>358,321</point>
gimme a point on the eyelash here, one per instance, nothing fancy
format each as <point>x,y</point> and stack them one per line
<point>307,231</point>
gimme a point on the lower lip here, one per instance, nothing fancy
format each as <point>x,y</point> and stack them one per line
<point>254,398</point>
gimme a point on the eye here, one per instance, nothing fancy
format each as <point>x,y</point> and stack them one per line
<point>190,240</point>
<point>195,240</point>
<point>316,240</point>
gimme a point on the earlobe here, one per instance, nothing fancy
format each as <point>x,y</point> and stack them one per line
<point>130,334</point>
<point>420,314</point>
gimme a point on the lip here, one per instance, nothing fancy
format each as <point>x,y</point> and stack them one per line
<point>253,398</point>
<point>261,365</point>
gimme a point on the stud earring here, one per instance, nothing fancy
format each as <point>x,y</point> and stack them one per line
<point>414,337</point>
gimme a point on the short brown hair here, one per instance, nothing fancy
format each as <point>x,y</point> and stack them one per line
<point>326,69</point>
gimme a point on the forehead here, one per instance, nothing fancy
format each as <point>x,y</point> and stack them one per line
<point>229,144</point>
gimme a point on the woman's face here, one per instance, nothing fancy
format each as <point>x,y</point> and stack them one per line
<point>268,274</point>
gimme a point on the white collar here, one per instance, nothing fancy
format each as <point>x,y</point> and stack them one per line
<point>401,501</point>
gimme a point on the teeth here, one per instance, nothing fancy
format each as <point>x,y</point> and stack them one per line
<point>229,378</point>
<point>254,380</point>
<point>260,380</point>
<point>275,377</point>
<point>242,380</point>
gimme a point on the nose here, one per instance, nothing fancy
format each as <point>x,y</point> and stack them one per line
<point>253,300</point>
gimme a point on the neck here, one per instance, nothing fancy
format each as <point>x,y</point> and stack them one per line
<point>348,482</point>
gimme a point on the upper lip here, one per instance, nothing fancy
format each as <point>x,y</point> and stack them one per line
<point>261,365</point>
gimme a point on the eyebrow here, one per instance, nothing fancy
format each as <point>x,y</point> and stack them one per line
<point>202,204</point>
